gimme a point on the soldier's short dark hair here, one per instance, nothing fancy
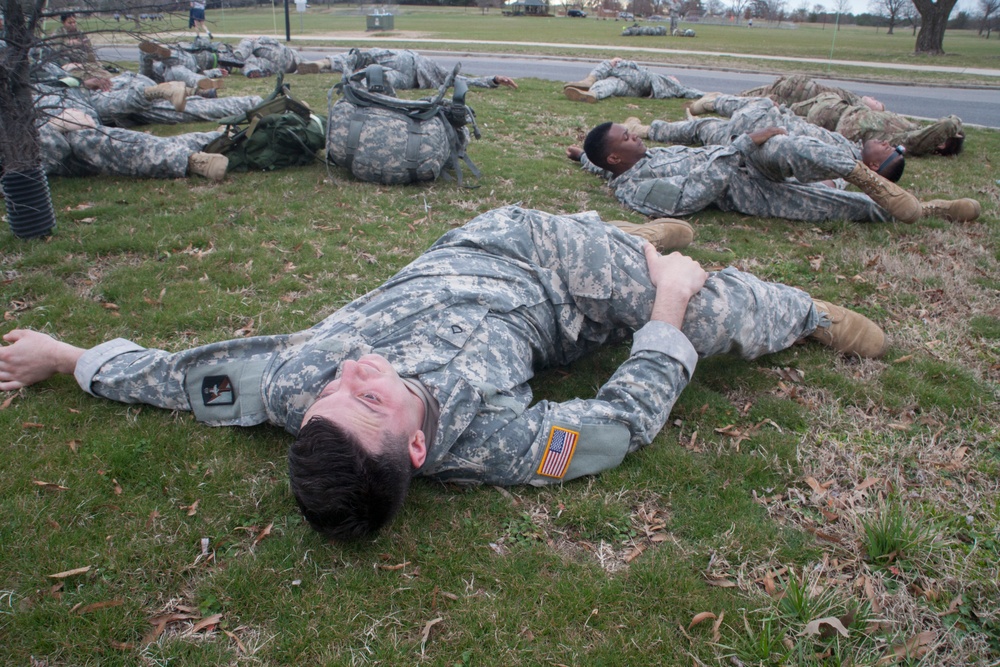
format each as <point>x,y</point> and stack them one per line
<point>951,145</point>
<point>596,145</point>
<point>66,16</point>
<point>343,491</point>
<point>893,171</point>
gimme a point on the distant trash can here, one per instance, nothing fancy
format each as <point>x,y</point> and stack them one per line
<point>381,21</point>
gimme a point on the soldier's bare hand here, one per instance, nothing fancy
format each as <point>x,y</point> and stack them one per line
<point>675,271</point>
<point>32,357</point>
<point>504,81</point>
<point>574,153</point>
<point>97,83</point>
<point>761,136</point>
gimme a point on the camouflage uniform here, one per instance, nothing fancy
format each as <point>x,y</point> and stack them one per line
<point>126,104</point>
<point>628,79</point>
<point>198,109</point>
<point>860,123</point>
<point>798,88</point>
<point>745,115</point>
<point>404,69</point>
<point>113,151</point>
<point>644,31</point>
<point>753,180</point>
<point>183,64</point>
<point>266,56</point>
<point>472,319</point>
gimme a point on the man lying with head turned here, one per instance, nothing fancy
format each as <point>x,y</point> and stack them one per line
<point>428,374</point>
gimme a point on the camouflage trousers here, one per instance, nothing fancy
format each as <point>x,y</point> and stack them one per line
<point>198,109</point>
<point>113,151</point>
<point>734,313</point>
<point>798,88</point>
<point>748,114</point>
<point>180,66</point>
<point>125,98</point>
<point>266,55</point>
<point>630,80</point>
<point>923,140</point>
<point>768,193</point>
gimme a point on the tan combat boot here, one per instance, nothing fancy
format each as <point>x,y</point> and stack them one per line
<point>666,234</point>
<point>158,51</point>
<point>952,210</point>
<point>585,84</point>
<point>635,126</point>
<point>898,202</point>
<point>578,95</point>
<point>210,165</point>
<point>849,332</point>
<point>308,68</point>
<point>174,92</point>
<point>704,104</point>
<point>209,84</point>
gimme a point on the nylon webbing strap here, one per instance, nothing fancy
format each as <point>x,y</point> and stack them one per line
<point>354,136</point>
<point>412,155</point>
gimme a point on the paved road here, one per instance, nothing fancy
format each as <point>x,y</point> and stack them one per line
<point>975,106</point>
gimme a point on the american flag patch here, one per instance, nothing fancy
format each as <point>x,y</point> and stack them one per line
<point>558,453</point>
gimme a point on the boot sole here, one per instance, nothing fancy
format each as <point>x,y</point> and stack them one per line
<point>154,49</point>
<point>577,95</point>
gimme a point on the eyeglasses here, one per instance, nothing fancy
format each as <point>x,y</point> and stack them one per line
<point>897,151</point>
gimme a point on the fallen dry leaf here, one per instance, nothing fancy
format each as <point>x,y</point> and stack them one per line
<point>208,623</point>
<point>427,632</point>
<point>239,644</point>
<point>117,487</point>
<point>49,485</point>
<point>100,605</point>
<point>400,566</point>
<point>815,627</point>
<point>703,616</point>
<point>869,481</point>
<point>716,632</point>
<point>74,445</point>
<point>262,534</point>
<point>6,403</point>
<point>192,508</point>
<point>721,583</point>
<point>70,573</point>
<point>914,647</point>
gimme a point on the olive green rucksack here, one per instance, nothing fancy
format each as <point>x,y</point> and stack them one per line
<point>279,132</point>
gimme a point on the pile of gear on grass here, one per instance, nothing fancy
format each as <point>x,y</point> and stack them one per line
<point>369,131</point>
<point>381,138</point>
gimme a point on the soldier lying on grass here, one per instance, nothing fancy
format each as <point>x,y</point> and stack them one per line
<point>428,374</point>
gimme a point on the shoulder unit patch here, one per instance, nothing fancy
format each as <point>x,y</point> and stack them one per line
<point>558,452</point>
<point>217,390</point>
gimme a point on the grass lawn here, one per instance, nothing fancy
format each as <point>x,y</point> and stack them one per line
<point>795,488</point>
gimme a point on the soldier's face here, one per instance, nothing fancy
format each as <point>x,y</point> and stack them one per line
<point>70,24</point>
<point>624,146</point>
<point>872,103</point>
<point>875,151</point>
<point>371,402</point>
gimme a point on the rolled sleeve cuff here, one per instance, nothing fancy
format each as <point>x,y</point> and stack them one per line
<point>744,144</point>
<point>659,336</point>
<point>91,361</point>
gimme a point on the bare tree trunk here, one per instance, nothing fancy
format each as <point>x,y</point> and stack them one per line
<point>18,134</point>
<point>933,22</point>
